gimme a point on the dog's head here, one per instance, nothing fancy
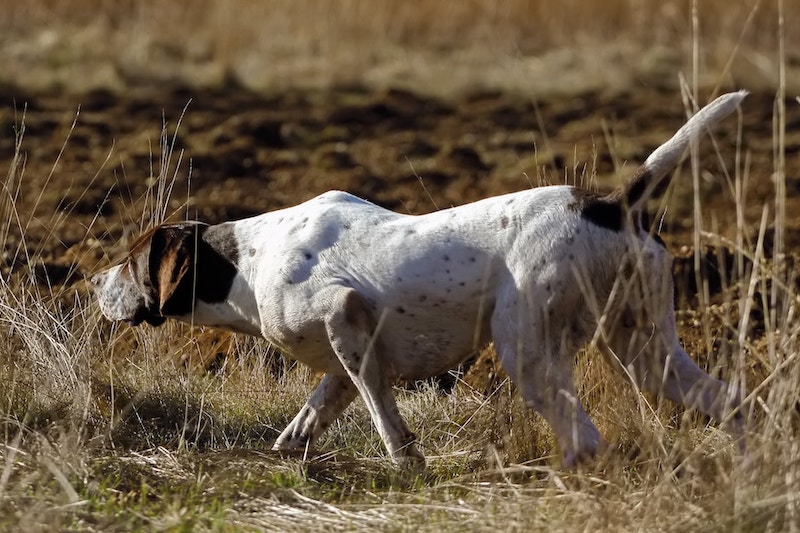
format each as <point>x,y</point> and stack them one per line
<point>155,280</point>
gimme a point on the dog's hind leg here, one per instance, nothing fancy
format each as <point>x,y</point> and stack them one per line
<point>352,334</point>
<point>540,362</point>
<point>658,364</point>
<point>329,399</point>
<point>643,338</point>
<point>686,383</point>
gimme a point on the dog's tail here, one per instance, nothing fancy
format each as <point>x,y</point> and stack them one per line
<point>652,177</point>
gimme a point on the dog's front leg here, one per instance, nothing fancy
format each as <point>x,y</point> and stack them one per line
<point>329,399</point>
<point>351,327</point>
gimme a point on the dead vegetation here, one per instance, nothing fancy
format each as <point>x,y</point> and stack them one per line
<point>106,427</point>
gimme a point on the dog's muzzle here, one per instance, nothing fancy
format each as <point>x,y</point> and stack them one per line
<point>121,302</point>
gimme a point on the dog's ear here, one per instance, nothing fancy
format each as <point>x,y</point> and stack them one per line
<point>171,265</point>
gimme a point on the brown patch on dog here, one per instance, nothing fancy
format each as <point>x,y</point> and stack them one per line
<point>170,260</point>
<point>142,243</point>
<point>180,263</point>
<point>636,188</point>
<point>610,211</point>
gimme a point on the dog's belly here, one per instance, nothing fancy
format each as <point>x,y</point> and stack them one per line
<point>313,351</point>
<point>415,347</point>
<point>425,342</point>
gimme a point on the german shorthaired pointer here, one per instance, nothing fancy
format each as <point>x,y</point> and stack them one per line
<point>369,296</point>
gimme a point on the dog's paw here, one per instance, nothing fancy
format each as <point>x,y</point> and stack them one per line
<point>411,460</point>
<point>574,458</point>
<point>587,453</point>
<point>408,457</point>
<point>289,441</point>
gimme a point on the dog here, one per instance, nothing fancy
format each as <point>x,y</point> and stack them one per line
<point>368,296</point>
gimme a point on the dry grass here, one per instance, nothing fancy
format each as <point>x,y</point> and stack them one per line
<point>104,429</point>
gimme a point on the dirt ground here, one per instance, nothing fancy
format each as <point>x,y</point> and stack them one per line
<point>91,161</point>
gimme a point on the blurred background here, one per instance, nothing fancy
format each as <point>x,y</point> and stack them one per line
<point>434,46</point>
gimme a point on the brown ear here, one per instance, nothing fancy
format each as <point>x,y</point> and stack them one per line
<point>171,264</point>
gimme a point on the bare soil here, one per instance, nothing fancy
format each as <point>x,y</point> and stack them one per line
<point>91,162</point>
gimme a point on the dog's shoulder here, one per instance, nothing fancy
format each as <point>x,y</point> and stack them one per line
<point>334,212</point>
<point>337,197</point>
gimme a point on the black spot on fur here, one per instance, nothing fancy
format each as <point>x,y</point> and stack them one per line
<point>605,215</point>
<point>601,211</point>
<point>223,239</point>
<point>216,269</point>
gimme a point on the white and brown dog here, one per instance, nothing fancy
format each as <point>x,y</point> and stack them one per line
<point>369,296</point>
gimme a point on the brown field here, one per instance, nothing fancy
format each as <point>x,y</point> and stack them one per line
<point>117,115</point>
